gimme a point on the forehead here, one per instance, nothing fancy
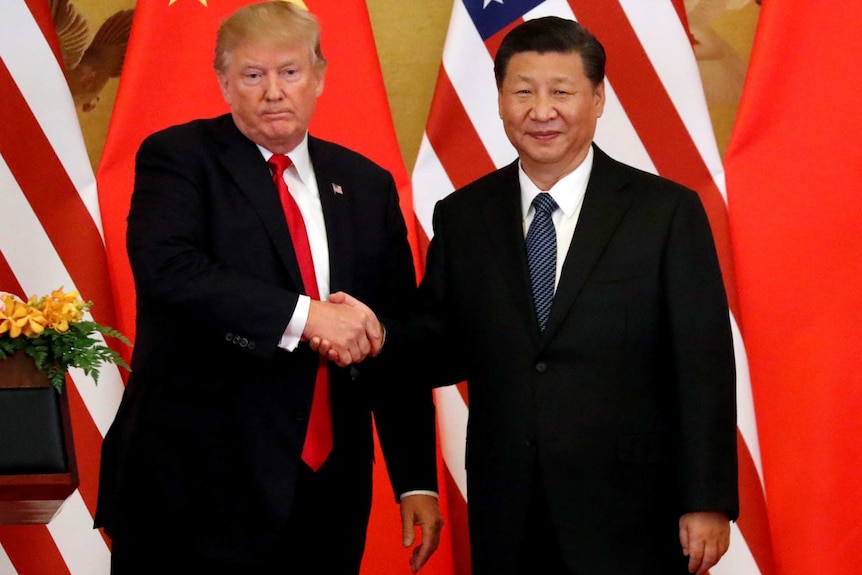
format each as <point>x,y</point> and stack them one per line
<point>268,54</point>
<point>554,66</point>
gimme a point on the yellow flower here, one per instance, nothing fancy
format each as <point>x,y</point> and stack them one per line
<point>34,323</point>
<point>6,310</point>
<point>18,317</point>
<point>52,330</point>
<point>60,309</point>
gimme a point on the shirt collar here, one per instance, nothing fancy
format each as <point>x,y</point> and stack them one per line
<point>568,192</point>
<point>299,158</point>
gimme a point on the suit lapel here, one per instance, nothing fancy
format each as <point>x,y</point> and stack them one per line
<point>504,229</point>
<point>605,203</point>
<point>241,158</point>
<point>335,202</point>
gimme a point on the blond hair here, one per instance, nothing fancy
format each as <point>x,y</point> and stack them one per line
<point>276,22</point>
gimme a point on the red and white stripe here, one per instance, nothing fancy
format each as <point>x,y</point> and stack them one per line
<point>50,237</point>
<point>656,119</point>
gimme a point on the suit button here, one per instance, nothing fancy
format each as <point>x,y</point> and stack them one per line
<point>228,336</point>
<point>301,415</point>
<point>251,345</point>
<point>529,442</point>
<point>243,342</point>
<point>541,367</point>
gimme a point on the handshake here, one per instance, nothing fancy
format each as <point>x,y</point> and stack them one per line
<point>343,329</point>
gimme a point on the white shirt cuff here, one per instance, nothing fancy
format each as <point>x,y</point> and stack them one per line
<point>293,332</point>
<point>419,492</point>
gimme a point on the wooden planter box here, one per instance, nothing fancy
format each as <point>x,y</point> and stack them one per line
<point>38,470</point>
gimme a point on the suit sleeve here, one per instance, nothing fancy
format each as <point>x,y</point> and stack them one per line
<point>702,348</point>
<point>179,243</point>
<point>425,336</point>
<point>404,412</point>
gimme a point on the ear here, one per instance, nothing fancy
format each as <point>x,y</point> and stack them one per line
<point>224,84</point>
<point>599,98</point>
<point>320,75</point>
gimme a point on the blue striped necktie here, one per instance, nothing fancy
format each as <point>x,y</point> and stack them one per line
<point>542,255</point>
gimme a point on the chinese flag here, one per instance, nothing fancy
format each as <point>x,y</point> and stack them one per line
<point>168,79</point>
<point>794,167</point>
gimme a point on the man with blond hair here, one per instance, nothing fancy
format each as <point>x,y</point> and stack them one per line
<point>234,448</point>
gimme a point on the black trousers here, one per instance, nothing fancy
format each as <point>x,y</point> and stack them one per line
<point>539,553</point>
<point>319,538</point>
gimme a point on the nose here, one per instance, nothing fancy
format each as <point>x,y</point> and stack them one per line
<point>272,87</point>
<point>543,108</point>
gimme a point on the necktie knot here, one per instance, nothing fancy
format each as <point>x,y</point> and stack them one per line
<point>544,203</point>
<point>278,163</point>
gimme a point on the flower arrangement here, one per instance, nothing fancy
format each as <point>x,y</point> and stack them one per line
<point>52,330</point>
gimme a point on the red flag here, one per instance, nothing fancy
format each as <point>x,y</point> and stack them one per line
<point>50,237</point>
<point>655,118</point>
<point>794,167</point>
<point>168,79</point>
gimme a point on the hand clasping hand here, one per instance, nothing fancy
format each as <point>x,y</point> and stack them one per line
<point>343,329</point>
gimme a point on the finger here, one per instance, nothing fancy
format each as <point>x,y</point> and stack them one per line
<point>407,533</point>
<point>372,326</point>
<point>695,559</point>
<point>683,539</point>
<point>710,557</point>
<point>377,340</point>
<point>421,554</point>
<point>315,343</point>
<point>344,358</point>
<point>430,542</point>
<point>326,350</point>
<point>364,348</point>
<point>355,352</point>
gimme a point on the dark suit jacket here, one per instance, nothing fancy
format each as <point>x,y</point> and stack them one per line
<point>213,419</point>
<point>625,403</point>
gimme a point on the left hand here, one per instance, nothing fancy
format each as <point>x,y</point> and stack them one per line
<point>421,511</point>
<point>705,537</point>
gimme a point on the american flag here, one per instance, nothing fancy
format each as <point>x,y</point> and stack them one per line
<point>51,237</point>
<point>655,118</point>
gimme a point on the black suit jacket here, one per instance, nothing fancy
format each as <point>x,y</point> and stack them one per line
<point>211,426</point>
<point>625,403</point>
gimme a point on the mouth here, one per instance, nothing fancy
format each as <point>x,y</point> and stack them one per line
<point>544,136</point>
<point>276,114</point>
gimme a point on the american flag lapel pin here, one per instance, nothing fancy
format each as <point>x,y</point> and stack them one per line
<point>337,189</point>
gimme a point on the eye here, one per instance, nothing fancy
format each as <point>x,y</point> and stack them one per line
<point>289,73</point>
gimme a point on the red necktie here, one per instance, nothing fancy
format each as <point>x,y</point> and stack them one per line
<point>318,439</point>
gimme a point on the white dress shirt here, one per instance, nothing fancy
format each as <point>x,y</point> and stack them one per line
<point>302,184</point>
<point>569,193</point>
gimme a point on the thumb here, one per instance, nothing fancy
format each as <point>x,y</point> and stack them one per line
<point>338,297</point>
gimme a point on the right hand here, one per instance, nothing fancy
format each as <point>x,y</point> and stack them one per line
<point>343,329</point>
